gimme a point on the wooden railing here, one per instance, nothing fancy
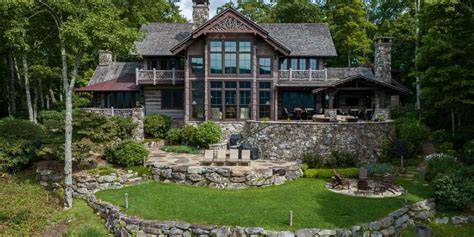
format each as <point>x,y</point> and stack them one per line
<point>159,75</point>
<point>303,75</point>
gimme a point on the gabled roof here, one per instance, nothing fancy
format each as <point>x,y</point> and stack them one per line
<point>125,83</point>
<point>113,71</point>
<point>298,39</point>
<point>230,21</point>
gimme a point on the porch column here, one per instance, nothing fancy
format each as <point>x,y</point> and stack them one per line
<point>186,91</point>
<point>254,83</point>
<point>331,98</point>
<point>206,82</point>
<point>331,112</point>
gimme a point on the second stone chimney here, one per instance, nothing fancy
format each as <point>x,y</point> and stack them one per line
<point>200,11</point>
<point>105,58</point>
<point>383,59</point>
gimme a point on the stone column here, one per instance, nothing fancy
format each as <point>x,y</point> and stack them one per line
<point>138,117</point>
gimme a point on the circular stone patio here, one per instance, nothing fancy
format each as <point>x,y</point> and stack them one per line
<point>395,191</point>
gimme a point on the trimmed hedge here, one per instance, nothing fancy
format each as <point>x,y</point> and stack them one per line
<point>328,173</point>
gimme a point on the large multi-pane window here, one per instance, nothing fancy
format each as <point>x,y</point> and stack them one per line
<point>265,66</point>
<point>230,57</point>
<point>230,100</point>
<point>197,65</point>
<point>172,99</point>
<point>264,100</point>
<point>197,100</point>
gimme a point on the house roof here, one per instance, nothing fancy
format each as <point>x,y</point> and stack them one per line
<point>394,85</point>
<point>300,39</point>
<point>124,83</point>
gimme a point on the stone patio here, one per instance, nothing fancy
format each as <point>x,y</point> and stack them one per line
<point>352,191</point>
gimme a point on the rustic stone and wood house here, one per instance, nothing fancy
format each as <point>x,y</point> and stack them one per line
<point>230,69</point>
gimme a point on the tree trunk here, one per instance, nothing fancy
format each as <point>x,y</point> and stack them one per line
<point>27,89</point>
<point>40,88</point>
<point>11,88</point>
<point>35,104</point>
<point>51,93</point>
<point>68,131</point>
<point>47,102</point>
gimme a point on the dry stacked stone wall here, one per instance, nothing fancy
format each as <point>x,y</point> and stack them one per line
<point>121,224</point>
<point>224,177</point>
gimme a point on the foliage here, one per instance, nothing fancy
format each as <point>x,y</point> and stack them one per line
<point>394,148</point>
<point>180,149</point>
<point>102,170</point>
<point>341,159</point>
<point>412,132</point>
<point>174,135</point>
<point>141,170</point>
<point>313,160</point>
<point>400,112</point>
<point>207,133</point>
<point>468,152</point>
<point>450,192</point>
<point>127,153</point>
<point>441,164</point>
<point>266,207</point>
<point>124,127</point>
<point>157,125</point>
<point>328,173</point>
<point>18,141</point>
<point>380,169</point>
<point>188,135</point>
<point>295,11</point>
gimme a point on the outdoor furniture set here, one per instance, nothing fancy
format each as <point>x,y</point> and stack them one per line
<point>299,113</point>
<point>386,184</point>
<point>226,157</point>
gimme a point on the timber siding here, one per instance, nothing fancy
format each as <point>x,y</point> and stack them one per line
<point>152,99</point>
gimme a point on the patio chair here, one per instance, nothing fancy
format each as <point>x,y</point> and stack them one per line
<point>287,114</point>
<point>234,157</point>
<point>390,183</point>
<point>208,157</point>
<point>339,181</point>
<point>245,159</point>
<point>220,159</point>
<point>297,113</point>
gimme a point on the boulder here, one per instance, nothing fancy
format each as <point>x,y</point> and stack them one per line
<point>195,170</point>
<point>279,171</point>
<point>179,168</point>
<point>178,175</point>
<point>254,230</point>
<point>237,173</point>
<point>307,232</point>
<point>195,177</point>
<point>390,231</point>
<point>459,220</point>
<point>239,179</point>
<point>399,212</point>
<point>223,172</point>
<point>327,233</point>
<point>402,220</point>
<point>216,178</point>
<point>106,179</point>
<point>443,220</point>
<point>236,186</point>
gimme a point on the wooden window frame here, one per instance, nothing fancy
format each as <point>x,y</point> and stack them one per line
<point>172,108</point>
<point>271,66</point>
<point>271,98</point>
<point>190,61</point>
<point>222,89</point>
<point>237,53</point>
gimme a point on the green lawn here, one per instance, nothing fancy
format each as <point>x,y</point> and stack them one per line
<point>311,203</point>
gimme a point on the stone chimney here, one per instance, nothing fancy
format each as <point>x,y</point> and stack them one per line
<point>105,58</point>
<point>383,60</point>
<point>200,11</point>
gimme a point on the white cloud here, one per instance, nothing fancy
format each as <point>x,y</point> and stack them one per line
<point>186,7</point>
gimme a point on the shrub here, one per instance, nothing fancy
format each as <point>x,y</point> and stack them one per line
<point>127,153</point>
<point>51,119</point>
<point>313,160</point>
<point>141,170</point>
<point>124,127</point>
<point>102,170</point>
<point>207,133</point>
<point>379,169</point>
<point>174,135</point>
<point>411,131</point>
<point>328,173</point>
<point>450,192</point>
<point>406,111</point>
<point>19,140</point>
<point>468,152</point>
<point>188,135</point>
<point>157,125</point>
<point>343,159</point>
<point>180,149</point>
<point>440,163</point>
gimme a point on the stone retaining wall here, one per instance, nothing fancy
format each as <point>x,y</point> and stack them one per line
<point>121,224</point>
<point>223,177</point>
<point>291,140</point>
<point>86,184</point>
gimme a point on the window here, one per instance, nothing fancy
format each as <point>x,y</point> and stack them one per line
<point>284,64</point>
<point>230,57</point>
<point>265,66</point>
<point>172,99</point>
<point>302,65</point>
<point>294,63</point>
<point>313,63</point>
<point>197,103</point>
<point>230,99</point>
<point>264,100</point>
<point>197,65</point>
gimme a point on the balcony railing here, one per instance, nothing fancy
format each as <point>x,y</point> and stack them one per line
<point>303,75</point>
<point>157,76</point>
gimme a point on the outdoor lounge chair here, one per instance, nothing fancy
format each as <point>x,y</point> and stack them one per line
<point>208,157</point>
<point>220,159</point>
<point>234,157</point>
<point>339,181</point>
<point>245,159</point>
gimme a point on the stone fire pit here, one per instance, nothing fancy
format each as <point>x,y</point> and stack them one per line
<point>375,190</point>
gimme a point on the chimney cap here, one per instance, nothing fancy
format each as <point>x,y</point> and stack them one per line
<point>383,39</point>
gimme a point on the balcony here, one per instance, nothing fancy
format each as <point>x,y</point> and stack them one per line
<point>159,76</point>
<point>303,75</point>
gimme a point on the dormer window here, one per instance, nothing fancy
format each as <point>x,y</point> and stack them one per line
<point>230,57</point>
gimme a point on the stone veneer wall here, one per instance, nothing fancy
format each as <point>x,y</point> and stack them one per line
<point>137,115</point>
<point>121,224</point>
<point>225,178</point>
<point>227,128</point>
<point>291,140</point>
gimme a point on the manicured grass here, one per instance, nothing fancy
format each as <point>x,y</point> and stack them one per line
<point>180,149</point>
<point>312,204</point>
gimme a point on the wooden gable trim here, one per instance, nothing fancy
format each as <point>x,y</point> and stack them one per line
<point>230,21</point>
<point>363,78</point>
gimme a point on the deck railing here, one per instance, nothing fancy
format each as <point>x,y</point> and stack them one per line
<point>303,75</point>
<point>159,75</point>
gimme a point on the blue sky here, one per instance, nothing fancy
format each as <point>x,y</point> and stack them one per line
<point>186,7</point>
